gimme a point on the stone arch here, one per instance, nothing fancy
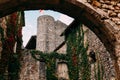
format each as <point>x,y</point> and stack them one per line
<point>78,9</point>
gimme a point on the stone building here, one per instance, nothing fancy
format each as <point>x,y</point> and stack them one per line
<point>101,16</point>
<point>48,39</point>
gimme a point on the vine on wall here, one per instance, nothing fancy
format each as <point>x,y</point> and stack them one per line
<point>76,57</point>
<point>10,56</point>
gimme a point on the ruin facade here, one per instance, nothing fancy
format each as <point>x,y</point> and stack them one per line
<point>48,39</point>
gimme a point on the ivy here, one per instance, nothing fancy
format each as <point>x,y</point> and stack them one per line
<point>14,66</point>
<point>11,60</point>
<point>50,60</point>
<point>78,62</point>
<point>76,57</point>
<point>100,70</point>
<point>2,33</point>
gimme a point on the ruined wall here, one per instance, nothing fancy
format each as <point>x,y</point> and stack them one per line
<point>102,57</point>
<point>29,67</point>
<point>45,40</point>
<point>111,9</point>
<point>48,39</point>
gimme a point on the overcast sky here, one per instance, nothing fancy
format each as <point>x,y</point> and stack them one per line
<point>30,27</point>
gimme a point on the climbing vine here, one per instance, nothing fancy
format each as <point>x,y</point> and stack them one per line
<point>99,70</point>
<point>10,58</point>
<point>50,60</point>
<point>76,57</point>
<point>78,62</point>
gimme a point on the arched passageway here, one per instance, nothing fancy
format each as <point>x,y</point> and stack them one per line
<point>80,11</point>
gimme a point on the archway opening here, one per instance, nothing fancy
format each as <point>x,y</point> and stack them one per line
<point>30,27</point>
<point>79,11</point>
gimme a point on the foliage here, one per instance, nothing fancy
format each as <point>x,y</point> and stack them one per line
<point>14,66</point>
<point>10,59</point>
<point>78,62</point>
<point>49,59</point>
<point>2,33</point>
<point>99,70</point>
<point>76,57</point>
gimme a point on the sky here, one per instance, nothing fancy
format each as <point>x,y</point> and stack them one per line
<point>30,27</point>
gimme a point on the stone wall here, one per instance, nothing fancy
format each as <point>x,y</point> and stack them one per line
<point>29,67</point>
<point>110,7</point>
<point>49,32</point>
<point>102,56</point>
<point>48,39</point>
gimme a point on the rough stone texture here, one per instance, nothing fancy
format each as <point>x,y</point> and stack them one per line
<point>94,15</point>
<point>59,28</point>
<point>45,34</point>
<point>102,55</point>
<point>48,33</point>
<point>62,69</point>
<point>29,67</point>
<point>48,39</point>
<point>94,44</point>
<point>45,39</point>
<point>112,8</point>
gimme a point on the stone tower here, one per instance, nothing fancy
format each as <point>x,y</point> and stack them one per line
<point>45,34</point>
<point>45,39</point>
<point>48,39</point>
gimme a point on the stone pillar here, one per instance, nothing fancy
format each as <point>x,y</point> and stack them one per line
<point>45,40</point>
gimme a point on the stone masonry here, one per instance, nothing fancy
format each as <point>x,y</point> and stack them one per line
<point>48,39</point>
<point>93,41</point>
<point>45,39</point>
<point>111,9</point>
<point>102,55</point>
<point>29,67</point>
<point>101,16</point>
